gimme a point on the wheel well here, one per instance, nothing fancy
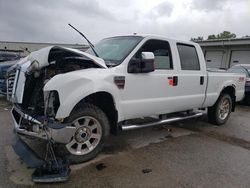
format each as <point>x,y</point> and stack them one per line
<point>230,90</point>
<point>105,102</point>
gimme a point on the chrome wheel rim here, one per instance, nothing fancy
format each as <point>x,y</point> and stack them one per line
<point>224,109</point>
<point>86,137</point>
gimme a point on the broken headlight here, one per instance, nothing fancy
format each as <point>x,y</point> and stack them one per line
<point>52,103</point>
<point>33,67</point>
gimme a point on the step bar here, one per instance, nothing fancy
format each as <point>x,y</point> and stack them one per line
<point>170,120</point>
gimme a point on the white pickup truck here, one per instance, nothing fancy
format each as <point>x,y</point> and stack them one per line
<point>77,99</point>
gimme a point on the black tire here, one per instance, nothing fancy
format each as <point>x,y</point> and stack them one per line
<point>91,110</point>
<point>247,100</point>
<point>214,111</point>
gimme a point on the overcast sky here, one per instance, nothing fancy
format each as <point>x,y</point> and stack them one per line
<point>46,20</point>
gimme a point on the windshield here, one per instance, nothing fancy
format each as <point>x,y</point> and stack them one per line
<point>114,50</point>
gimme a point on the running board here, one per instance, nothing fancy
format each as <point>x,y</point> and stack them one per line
<point>170,120</point>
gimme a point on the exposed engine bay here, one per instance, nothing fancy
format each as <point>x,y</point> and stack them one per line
<point>60,61</point>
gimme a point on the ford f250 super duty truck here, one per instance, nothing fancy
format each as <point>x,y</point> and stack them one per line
<point>78,98</point>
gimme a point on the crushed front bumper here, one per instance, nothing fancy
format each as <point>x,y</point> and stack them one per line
<point>28,155</point>
<point>40,127</point>
<point>27,125</point>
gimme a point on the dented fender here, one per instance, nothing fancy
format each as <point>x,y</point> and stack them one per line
<point>79,84</point>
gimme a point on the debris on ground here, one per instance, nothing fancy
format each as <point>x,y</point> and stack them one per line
<point>52,171</point>
<point>169,136</point>
<point>146,170</point>
<point>166,127</point>
<point>100,166</point>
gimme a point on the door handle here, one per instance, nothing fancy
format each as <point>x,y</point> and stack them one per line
<point>175,80</point>
<point>201,80</point>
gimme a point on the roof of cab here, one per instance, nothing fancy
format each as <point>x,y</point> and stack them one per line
<point>157,37</point>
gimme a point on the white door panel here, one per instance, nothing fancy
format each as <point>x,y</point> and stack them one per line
<point>191,88</point>
<point>149,94</point>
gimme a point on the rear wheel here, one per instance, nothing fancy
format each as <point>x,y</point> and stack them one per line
<point>220,112</point>
<point>247,99</point>
<point>91,131</point>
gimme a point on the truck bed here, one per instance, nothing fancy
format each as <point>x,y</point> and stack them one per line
<point>218,79</point>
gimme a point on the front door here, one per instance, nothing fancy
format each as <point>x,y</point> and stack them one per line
<point>151,93</point>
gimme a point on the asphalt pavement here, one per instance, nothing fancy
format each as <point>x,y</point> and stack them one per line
<point>191,153</point>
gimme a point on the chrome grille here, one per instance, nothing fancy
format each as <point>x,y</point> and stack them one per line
<point>10,82</point>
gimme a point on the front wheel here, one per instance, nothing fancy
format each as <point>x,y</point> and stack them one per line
<point>91,130</point>
<point>220,112</point>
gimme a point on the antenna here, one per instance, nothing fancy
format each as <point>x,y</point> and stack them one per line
<point>90,44</point>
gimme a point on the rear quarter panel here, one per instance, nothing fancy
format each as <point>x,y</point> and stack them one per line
<point>217,81</point>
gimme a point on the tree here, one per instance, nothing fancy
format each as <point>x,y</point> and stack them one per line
<point>226,35</point>
<point>246,36</point>
<point>223,35</point>
<point>210,37</point>
<point>197,39</point>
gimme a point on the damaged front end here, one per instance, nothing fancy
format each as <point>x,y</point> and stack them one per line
<point>34,110</point>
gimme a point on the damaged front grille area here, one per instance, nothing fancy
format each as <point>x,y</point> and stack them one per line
<point>16,115</point>
<point>38,127</point>
<point>10,83</point>
<point>27,125</point>
<point>24,121</point>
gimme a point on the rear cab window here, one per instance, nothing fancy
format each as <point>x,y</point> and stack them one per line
<point>188,57</point>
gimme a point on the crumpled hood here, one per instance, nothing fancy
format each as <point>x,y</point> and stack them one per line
<point>48,54</point>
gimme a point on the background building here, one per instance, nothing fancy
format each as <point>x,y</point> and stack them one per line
<point>24,48</point>
<point>227,52</point>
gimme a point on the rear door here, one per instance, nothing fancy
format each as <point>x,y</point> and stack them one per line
<point>192,77</point>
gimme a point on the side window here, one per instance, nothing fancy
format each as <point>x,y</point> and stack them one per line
<point>188,57</point>
<point>162,52</point>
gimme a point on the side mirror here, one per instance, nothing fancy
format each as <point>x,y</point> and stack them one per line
<point>143,65</point>
<point>147,62</point>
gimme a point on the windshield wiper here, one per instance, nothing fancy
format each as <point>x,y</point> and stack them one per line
<point>90,44</point>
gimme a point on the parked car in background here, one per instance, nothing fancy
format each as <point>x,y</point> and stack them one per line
<point>243,68</point>
<point>3,69</point>
<point>8,56</point>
